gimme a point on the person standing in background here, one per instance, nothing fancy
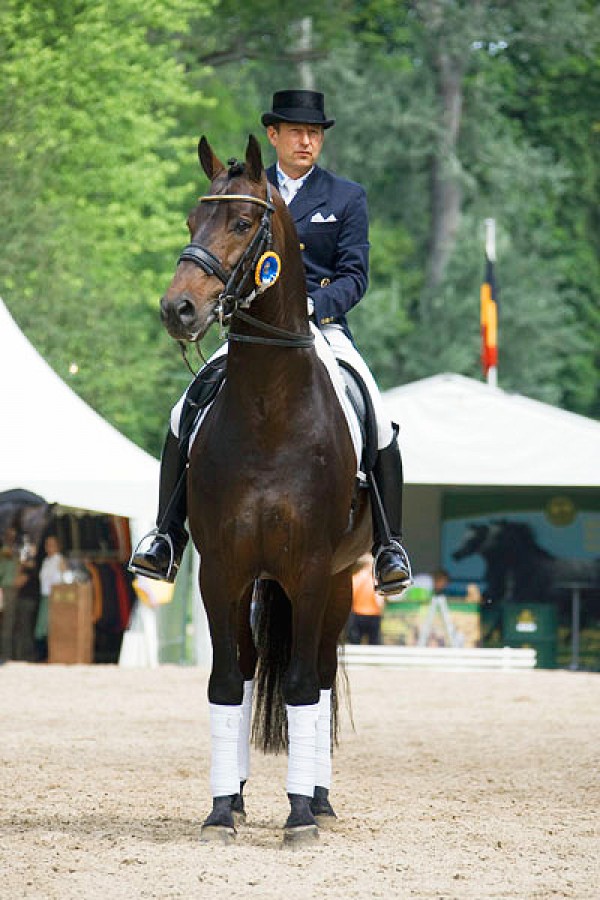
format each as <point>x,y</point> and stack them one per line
<point>9,568</point>
<point>367,605</point>
<point>51,573</point>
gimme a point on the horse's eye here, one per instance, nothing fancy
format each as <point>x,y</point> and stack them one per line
<point>242,225</point>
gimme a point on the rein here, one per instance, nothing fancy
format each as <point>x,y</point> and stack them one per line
<point>284,338</point>
<point>231,298</point>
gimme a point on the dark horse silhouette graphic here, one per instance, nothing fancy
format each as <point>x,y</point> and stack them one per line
<point>517,568</point>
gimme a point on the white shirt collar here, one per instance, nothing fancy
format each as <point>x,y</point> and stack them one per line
<point>289,187</point>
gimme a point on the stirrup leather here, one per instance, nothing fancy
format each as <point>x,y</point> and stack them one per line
<point>149,573</point>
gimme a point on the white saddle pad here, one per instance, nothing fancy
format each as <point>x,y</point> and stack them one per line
<point>326,356</point>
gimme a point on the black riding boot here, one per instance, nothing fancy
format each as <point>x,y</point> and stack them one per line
<point>162,559</point>
<point>392,565</point>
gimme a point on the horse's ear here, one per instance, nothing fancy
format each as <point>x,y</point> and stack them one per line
<point>211,164</point>
<point>254,163</point>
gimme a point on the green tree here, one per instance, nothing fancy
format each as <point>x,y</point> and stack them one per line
<point>448,113</point>
<point>426,89</point>
<point>94,183</point>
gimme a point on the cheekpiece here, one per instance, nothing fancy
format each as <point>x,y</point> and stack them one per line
<point>268,269</point>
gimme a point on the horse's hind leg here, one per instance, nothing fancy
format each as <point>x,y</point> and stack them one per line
<point>336,614</point>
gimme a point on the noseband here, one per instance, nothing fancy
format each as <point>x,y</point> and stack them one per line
<point>231,297</point>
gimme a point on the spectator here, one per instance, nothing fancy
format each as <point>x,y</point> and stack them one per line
<point>9,568</point>
<point>51,573</point>
<point>367,605</point>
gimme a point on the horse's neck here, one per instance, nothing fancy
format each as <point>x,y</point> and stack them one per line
<point>277,374</point>
<point>283,306</point>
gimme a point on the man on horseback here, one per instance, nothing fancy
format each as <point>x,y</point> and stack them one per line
<point>331,219</point>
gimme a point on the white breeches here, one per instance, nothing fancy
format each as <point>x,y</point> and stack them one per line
<point>344,349</point>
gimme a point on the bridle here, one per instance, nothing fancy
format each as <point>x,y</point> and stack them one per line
<point>232,298</point>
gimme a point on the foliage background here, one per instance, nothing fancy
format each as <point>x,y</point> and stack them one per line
<point>448,112</point>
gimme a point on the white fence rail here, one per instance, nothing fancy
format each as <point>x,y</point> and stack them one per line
<point>456,658</point>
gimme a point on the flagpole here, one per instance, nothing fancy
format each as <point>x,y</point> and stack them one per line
<point>490,252</point>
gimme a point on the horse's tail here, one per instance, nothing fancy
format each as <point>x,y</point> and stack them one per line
<point>272,628</point>
<point>272,632</point>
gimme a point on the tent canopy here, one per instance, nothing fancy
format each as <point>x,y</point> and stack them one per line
<point>458,431</point>
<point>54,444</point>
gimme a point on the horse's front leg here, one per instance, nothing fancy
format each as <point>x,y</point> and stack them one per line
<point>247,662</point>
<point>225,695</point>
<point>336,615</point>
<point>302,693</point>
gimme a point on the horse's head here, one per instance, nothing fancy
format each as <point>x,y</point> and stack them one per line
<point>473,541</point>
<point>230,228</point>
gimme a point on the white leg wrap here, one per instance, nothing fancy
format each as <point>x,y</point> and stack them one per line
<point>244,736</point>
<point>302,760</point>
<point>224,731</point>
<point>323,776</point>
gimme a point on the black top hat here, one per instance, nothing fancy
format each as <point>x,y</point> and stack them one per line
<point>304,107</point>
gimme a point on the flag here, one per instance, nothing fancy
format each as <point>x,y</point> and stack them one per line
<point>489,304</point>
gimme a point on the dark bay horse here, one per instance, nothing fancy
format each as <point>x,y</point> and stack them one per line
<point>272,501</point>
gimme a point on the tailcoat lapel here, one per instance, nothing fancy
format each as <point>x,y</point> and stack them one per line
<point>309,198</point>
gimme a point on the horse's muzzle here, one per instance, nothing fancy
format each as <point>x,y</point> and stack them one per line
<point>180,318</point>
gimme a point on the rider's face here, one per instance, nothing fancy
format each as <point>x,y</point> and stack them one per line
<point>297,146</point>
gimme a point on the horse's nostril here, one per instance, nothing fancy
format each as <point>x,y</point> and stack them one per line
<point>185,310</point>
<point>179,310</point>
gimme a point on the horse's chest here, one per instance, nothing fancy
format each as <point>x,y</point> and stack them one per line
<point>253,486</point>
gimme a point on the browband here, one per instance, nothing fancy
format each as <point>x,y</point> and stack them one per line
<point>248,198</point>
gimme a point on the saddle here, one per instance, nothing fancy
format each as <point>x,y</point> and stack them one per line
<point>209,380</point>
<point>360,399</point>
<point>200,394</point>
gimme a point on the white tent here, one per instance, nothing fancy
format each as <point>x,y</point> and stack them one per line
<point>458,431</point>
<point>458,434</point>
<point>54,444</point>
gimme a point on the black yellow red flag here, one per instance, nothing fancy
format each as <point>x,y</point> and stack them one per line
<point>489,304</point>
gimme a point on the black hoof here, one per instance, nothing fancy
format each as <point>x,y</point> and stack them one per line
<point>322,809</point>
<point>217,834</point>
<point>219,826</point>
<point>301,826</point>
<point>300,835</point>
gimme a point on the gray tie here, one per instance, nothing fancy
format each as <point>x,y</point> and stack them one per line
<point>285,192</point>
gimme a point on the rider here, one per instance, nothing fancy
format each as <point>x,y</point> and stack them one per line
<point>330,214</point>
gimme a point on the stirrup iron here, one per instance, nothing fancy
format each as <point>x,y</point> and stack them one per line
<point>148,573</point>
<point>392,544</point>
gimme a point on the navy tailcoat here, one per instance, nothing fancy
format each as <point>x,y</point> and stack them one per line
<point>331,218</point>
